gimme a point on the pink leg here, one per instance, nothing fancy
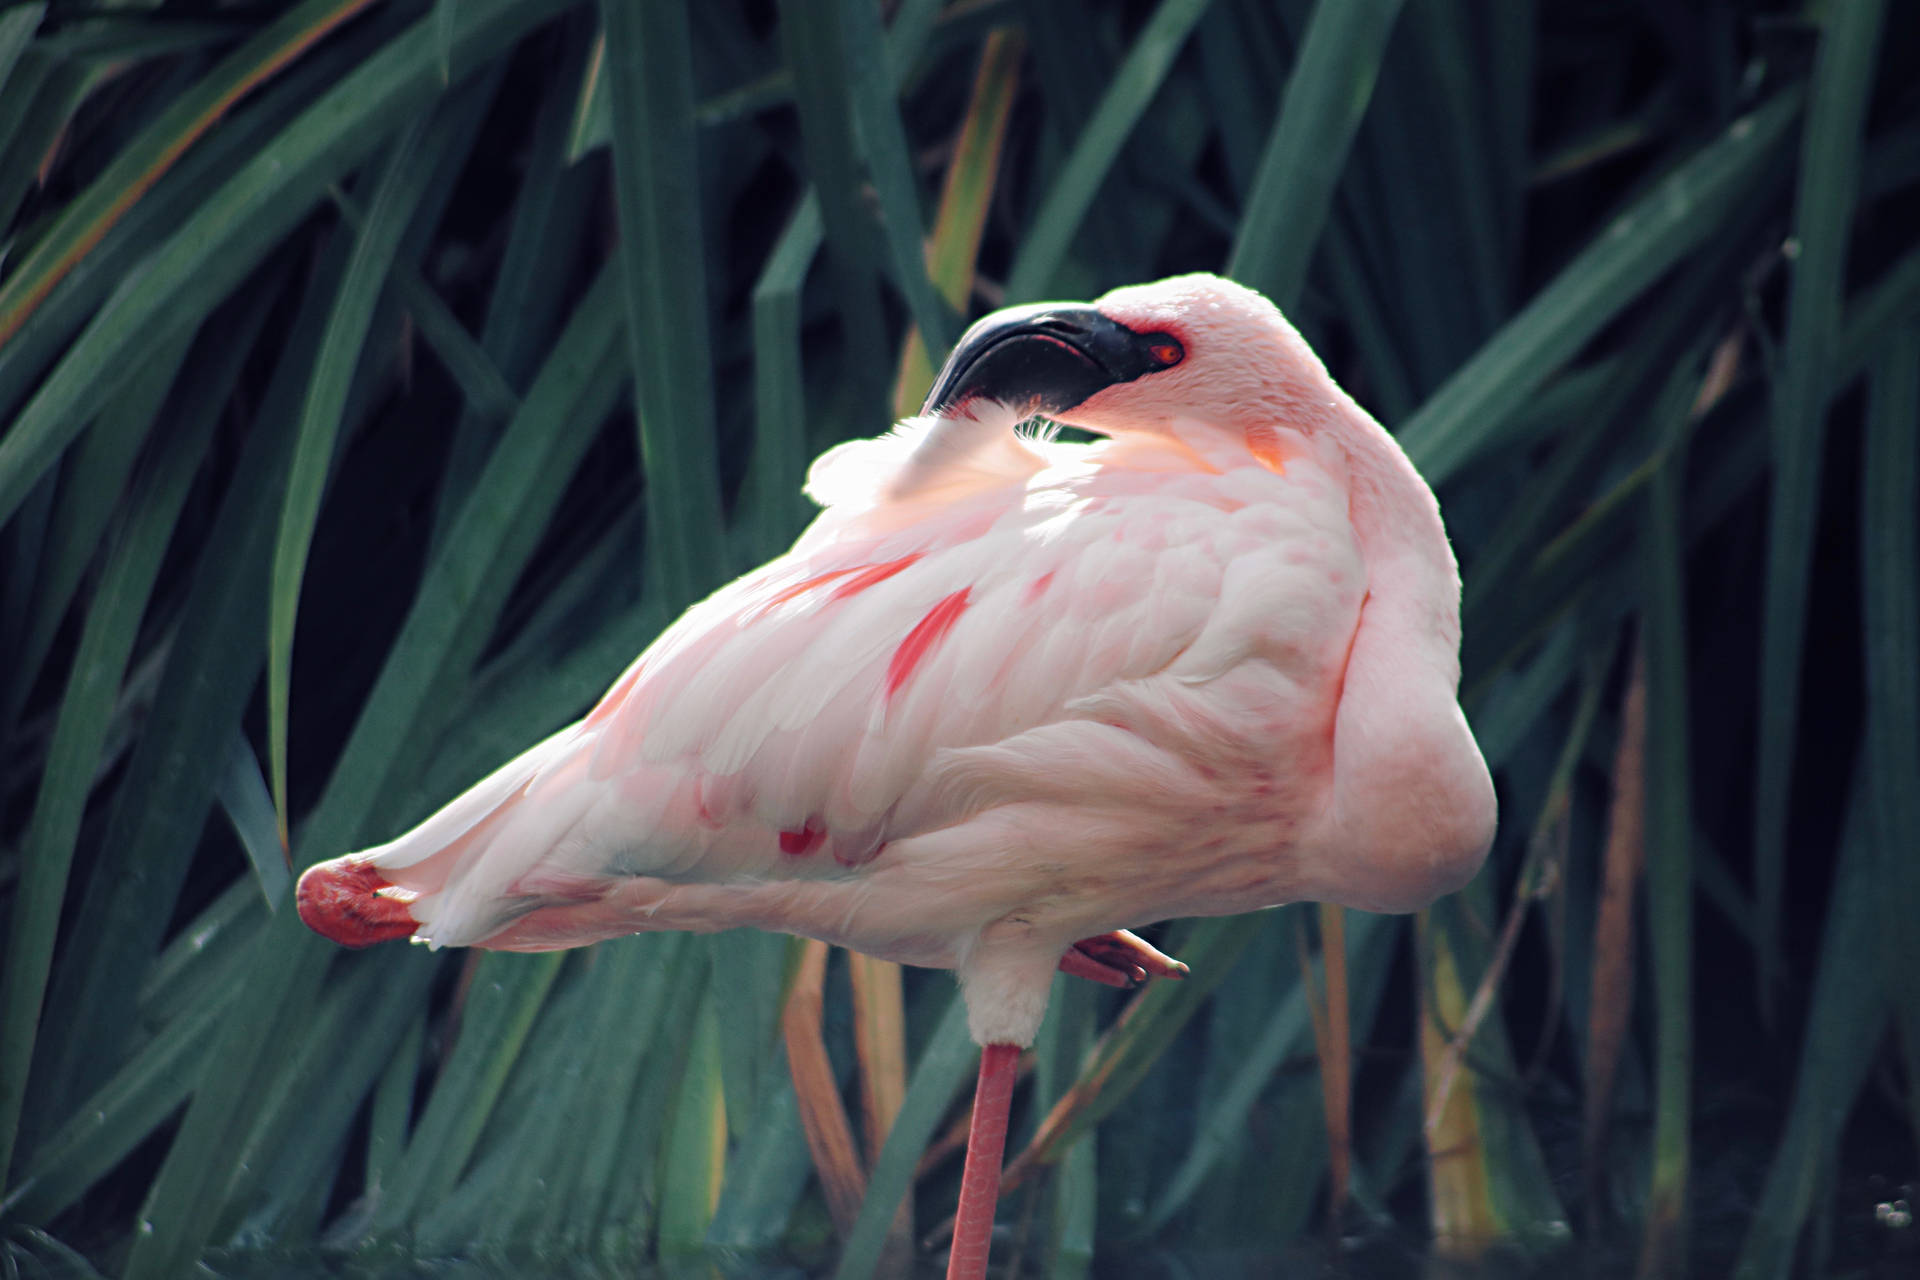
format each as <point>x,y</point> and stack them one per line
<point>980,1179</point>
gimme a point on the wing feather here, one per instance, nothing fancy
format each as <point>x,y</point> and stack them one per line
<point>762,736</point>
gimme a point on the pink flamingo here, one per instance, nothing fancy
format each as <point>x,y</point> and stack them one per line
<point>1008,697</point>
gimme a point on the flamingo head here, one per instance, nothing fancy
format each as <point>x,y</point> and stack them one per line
<point>1192,348</point>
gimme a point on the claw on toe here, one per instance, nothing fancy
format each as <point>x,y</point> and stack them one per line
<point>1119,959</point>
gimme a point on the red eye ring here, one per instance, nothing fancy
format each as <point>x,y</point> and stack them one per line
<point>1167,353</point>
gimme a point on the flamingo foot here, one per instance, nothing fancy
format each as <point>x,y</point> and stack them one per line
<point>1119,959</point>
<point>353,904</point>
<point>980,1179</point>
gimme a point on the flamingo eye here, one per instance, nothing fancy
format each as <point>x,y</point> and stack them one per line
<point>1165,351</point>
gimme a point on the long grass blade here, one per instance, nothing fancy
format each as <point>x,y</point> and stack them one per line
<point>1894,297</point>
<point>636,1189</point>
<point>527,302</point>
<point>1076,1182</point>
<point>656,176</point>
<point>344,1043</point>
<point>553,1143</point>
<point>750,966</point>
<point>499,527</point>
<point>17,26</point>
<point>143,161</point>
<point>392,1114</point>
<point>46,853</point>
<point>1611,1003</point>
<point>880,1047</point>
<point>1134,1043</point>
<point>939,1073</point>
<point>1459,135</point>
<point>1669,832</point>
<point>506,1076</point>
<point>1624,400</point>
<point>449,621</point>
<point>92,485</point>
<point>638,985</point>
<point>1320,110</point>
<point>1286,1034</point>
<point>823,1117</point>
<point>1460,1211</point>
<point>971,179</point>
<point>481,382</point>
<point>1333,1046</point>
<point>33,69</point>
<point>55,90</point>
<point>810,40</point>
<point>202,956</point>
<point>1644,242</point>
<point>876,114</point>
<point>766,1176</point>
<point>1072,193</point>
<point>400,187</point>
<point>205,167</point>
<point>169,784</point>
<point>696,1140</point>
<point>1845,1019</point>
<point>506,994</point>
<point>232,228</point>
<point>1823,218</point>
<point>1890,562</point>
<point>110,40</point>
<point>1487,1179</point>
<point>249,808</point>
<point>184,997</point>
<point>132,1104</point>
<point>777,509</point>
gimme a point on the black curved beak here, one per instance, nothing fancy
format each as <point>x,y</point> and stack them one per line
<point>1046,359</point>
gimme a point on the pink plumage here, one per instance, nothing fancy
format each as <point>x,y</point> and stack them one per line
<point>1007,694</point>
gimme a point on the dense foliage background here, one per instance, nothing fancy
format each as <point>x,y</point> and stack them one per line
<point>379,377</point>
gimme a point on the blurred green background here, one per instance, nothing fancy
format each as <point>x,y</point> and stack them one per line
<point>378,378</point>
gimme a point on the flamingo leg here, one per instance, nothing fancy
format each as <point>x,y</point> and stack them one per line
<point>980,1179</point>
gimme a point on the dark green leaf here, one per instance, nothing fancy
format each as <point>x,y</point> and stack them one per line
<point>1823,218</point>
<point>656,173</point>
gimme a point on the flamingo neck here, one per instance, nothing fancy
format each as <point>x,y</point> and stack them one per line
<point>1411,568</point>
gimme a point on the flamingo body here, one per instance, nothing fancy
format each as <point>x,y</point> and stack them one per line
<point>1008,693</point>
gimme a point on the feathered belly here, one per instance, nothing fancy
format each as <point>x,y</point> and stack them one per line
<point>1165,803</point>
<point>1228,844</point>
<point>1183,802</point>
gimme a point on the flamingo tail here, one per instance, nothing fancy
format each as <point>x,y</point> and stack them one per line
<point>453,875</point>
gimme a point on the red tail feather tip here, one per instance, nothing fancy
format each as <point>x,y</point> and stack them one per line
<point>342,900</point>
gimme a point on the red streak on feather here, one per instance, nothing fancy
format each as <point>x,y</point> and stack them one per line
<point>802,842</point>
<point>1038,587</point>
<point>920,641</point>
<point>872,575</point>
<point>859,578</point>
<point>801,588</point>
